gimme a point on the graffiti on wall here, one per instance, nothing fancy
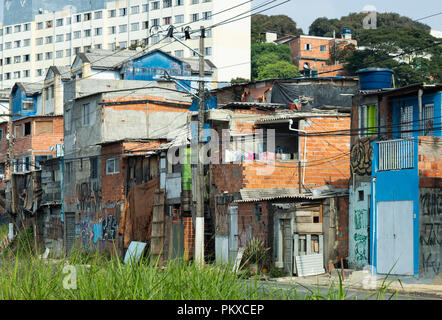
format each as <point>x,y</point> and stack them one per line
<point>431,230</point>
<point>361,155</point>
<point>88,196</point>
<point>109,226</point>
<point>360,237</point>
<point>97,233</point>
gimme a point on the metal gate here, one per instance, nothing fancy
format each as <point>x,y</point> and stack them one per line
<point>233,233</point>
<point>395,237</point>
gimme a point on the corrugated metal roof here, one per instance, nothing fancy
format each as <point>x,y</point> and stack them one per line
<point>252,195</point>
<point>253,104</point>
<point>299,115</point>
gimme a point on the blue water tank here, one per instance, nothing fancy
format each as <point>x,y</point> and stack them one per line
<point>346,31</point>
<point>375,78</point>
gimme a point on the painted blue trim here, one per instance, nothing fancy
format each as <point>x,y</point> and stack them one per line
<point>395,185</point>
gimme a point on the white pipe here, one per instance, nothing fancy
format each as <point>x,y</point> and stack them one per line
<point>305,147</point>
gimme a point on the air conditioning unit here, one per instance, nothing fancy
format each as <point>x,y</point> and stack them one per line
<point>59,150</point>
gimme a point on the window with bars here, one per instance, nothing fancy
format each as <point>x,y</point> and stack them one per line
<point>428,119</point>
<point>406,121</point>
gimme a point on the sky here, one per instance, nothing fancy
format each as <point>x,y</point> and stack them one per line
<point>305,12</point>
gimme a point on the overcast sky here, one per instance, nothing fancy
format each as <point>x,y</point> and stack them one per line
<point>305,12</point>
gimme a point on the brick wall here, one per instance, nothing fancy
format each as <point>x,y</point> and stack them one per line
<point>430,161</point>
<point>112,184</point>
<point>252,226</point>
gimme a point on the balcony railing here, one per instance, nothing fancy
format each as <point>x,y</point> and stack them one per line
<point>396,154</point>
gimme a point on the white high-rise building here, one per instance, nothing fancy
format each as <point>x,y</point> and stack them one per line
<point>38,33</point>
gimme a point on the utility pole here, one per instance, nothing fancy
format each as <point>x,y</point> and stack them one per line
<point>199,226</point>
<point>11,161</point>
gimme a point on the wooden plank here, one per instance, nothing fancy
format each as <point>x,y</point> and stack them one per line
<point>308,228</point>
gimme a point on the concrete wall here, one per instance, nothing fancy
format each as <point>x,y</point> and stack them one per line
<point>358,255</point>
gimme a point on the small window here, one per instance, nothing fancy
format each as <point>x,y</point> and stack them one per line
<point>428,119</point>
<point>28,105</point>
<point>112,166</point>
<point>308,47</point>
<point>323,48</point>
<point>94,167</point>
<point>361,195</point>
<point>68,172</point>
<point>86,114</point>
<point>27,129</point>
<point>258,212</point>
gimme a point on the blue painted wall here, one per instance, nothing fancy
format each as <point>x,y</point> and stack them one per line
<point>150,66</point>
<point>18,96</point>
<point>396,185</point>
<point>412,100</point>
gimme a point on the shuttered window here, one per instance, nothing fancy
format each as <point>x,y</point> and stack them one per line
<point>428,119</point>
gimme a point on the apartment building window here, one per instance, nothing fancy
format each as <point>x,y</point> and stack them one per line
<point>86,114</point>
<point>122,12</point>
<point>49,24</point>
<point>323,48</point>
<point>17,74</point>
<point>123,44</point>
<point>112,165</point>
<point>68,36</point>
<point>208,51</point>
<point>194,17</point>
<point>77,18</point>
<point>68,20</point>
<point>167,3</point>
<point>98,15</point>
<point>8,60</point>
<point>155,5</point>
<point>98,46</point>
<point>98,31</point>
<point>87,16</point>
<point>17,59</point>
<point>112,13</point>
<point>17,44</point>
<point>179,53</point>
<point>68,52</point>
<point>179,18</point>
<point>179,2</point>
<point>207,15</point>
<point>87,33</point>
<point>26,42</point>
<point>145,7</point>
<point>208,33</point>
<point>135,9</point>
<point>195,1</point>
<point>48,55</point>
<point>204,1</point>
<point>1,32</point>
<point>27,27</point>
<point>307,47</point>
<point>135,26</point>
<point>122,28</point>
<point>112,30</point>
<point>155,22</point>
<point>27,74</point>
<point>8,45</point>
<point>59,54</point>
<point>86,48</point>
<point>8,30</point>
<point>77,34</point>
<point>39,25</point>
<point>145,25</point>
<point>59,37</point>
<point>167,20</point>
<point>59,22</point>
<point>26,58</point>
<point>8,76</point>
<point>49,40</point>
<point>39,72</point>
<point>134,43</point>
<point>428,119</point>
<point>17,28</point>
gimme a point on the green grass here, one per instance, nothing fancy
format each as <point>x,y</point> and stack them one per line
<point>4,230</point>
<point>23,276</point>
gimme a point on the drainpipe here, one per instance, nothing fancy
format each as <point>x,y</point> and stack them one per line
<point>419,99</point>
<point>305,147</point>
<point>374,212</point>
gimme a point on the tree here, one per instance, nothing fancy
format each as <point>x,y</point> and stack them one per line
<point>412,53</point>
<point>281,24</point>
<point>278,70</point>
<point>324,27</point>
<point>267,53</point>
